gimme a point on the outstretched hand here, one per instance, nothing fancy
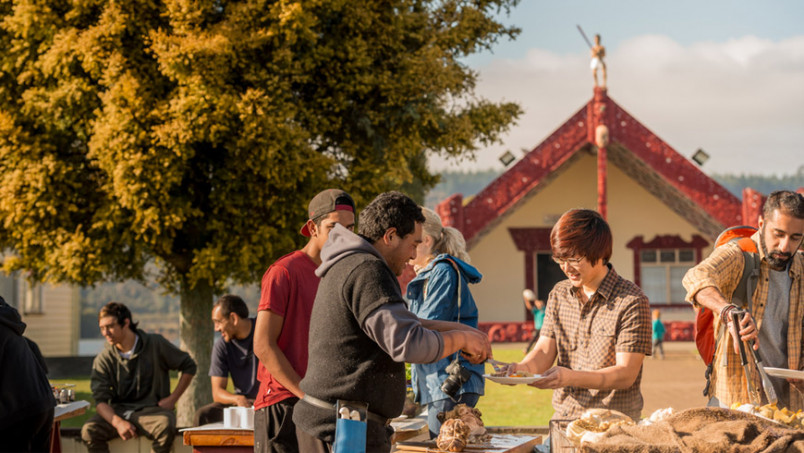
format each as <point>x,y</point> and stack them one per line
<point>477,346</point>
<point>555,377</point>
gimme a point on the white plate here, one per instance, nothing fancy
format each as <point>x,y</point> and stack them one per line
<point>513,380</point>
<point>785,373</point>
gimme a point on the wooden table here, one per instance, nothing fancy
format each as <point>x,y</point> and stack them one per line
<point>216,438</point>
<point>63,412</point>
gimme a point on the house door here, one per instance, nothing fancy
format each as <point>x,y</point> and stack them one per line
<point>548,273</point>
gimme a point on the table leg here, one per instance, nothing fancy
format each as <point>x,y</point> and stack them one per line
<point>55,438</point>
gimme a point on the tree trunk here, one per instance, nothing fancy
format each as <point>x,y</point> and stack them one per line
<point>196,333</point>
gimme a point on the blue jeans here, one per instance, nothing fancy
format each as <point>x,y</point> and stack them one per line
<point>433,408</point>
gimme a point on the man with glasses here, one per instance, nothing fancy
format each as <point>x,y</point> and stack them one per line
<point>597,325</point>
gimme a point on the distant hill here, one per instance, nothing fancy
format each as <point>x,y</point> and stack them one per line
<point>466,183</point>
<point>765,184</point>
<point>470,183</point>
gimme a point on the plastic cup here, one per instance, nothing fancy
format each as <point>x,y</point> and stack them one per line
<point>246,415</point>
<point>231,417</point>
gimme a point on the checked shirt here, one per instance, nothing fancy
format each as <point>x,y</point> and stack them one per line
<point>722,270</point>
<point>589,335</point>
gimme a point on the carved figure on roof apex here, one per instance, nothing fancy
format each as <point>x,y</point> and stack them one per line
<point>598,52</point>
<point>602,136</point>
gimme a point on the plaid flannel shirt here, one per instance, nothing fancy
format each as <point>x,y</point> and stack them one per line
<point>588,337</point>
<point>722,270</point>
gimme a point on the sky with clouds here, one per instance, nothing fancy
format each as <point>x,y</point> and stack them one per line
<point>724,76</point>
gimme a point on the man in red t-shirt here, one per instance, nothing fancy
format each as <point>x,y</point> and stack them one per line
<point>283,322</point>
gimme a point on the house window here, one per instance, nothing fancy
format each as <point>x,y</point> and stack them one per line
<point>660,265</point>
<point>29,297</point>
<point>662,271</point>
<point>8,289</point>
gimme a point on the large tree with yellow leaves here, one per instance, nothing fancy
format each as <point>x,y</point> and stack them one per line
<point>191,134</point>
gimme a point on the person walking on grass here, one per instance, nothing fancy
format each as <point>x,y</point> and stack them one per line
<point>658,334</point>
<point>536,307</point>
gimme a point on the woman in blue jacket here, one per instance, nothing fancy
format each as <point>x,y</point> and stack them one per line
<point>442,267</point>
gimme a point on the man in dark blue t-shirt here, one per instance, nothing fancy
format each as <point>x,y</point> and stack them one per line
<point>233,354</point>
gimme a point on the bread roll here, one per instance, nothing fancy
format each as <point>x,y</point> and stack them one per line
<point>597,421</point>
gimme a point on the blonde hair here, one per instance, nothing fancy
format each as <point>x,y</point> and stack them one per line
<point>445,239</point>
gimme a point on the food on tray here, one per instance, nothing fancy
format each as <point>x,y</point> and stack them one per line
<point>471,418</point>
<point>595,421</point>
<point>453,436</point>
<point>770,411</point>
<point>513,374</point>
<point>520,374</point>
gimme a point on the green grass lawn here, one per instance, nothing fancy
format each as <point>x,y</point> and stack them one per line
<point>502,405</point>
<point>514,405</point>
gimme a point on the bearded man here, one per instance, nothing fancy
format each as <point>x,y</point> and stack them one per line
<point>775,312</point>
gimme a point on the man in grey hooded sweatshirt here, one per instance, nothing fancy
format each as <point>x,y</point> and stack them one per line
<point>361,331</point>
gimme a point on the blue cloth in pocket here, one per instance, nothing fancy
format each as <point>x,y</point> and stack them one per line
<point>350,436</point>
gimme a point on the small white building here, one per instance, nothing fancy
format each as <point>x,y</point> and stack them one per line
<point>51,312</point>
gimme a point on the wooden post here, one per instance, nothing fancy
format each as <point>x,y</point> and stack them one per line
<point>602,206</point>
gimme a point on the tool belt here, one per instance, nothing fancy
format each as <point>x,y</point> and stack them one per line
<point>376,418</point>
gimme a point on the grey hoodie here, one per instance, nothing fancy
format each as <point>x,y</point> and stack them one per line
<point>24,388</point>
<point>394,328</point>
<point>361,332</point>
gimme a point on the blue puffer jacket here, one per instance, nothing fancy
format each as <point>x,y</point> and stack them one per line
<point>440,280</point>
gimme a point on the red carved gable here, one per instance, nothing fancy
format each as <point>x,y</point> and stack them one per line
<point>671,176</point>
<point>513,186</point>
<point>685,176</point>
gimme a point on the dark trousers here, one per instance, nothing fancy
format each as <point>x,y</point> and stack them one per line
<point>274,431</point>
<point>310,444</point>
<point>533,340</point>
<point>658,345</point>
<point>28,434</point>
